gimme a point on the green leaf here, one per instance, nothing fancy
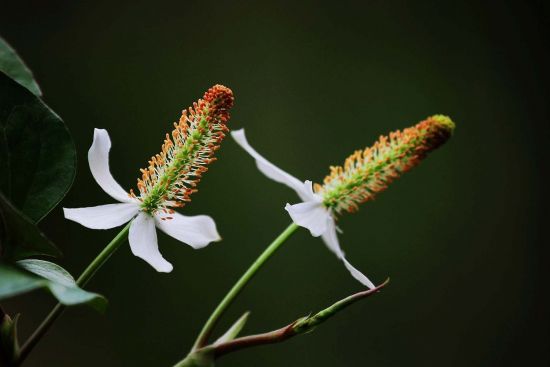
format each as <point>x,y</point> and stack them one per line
<point>9,344</point>
<point>33,274</point>
<point>48,270</point>
<point>12,65</point>
<point>37,154</point>
<point>19,237</point>
<point>234,330</point>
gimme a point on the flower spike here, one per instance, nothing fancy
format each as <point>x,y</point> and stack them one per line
<point>173,174</point>
<point>167,183</point>
<point>364,174</point>
<point>368,172</point>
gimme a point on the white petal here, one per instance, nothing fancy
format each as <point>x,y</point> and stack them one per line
<point>308,194</point>
<point>196,231</point>
<point>98,158</point>
<point>102,216</point>
<point>331,240</point>
<point>311,215</point>
<point>358,275</point>
<point>268,168</point>
<point>143,243</point>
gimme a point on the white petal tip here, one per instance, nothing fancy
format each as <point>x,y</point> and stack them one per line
<point>165,268</point>
<point>102,216</point>
<point>200,246</point>
<point>358,275</point>
<point>237,133</point>
<point>143,243</point>
<point>160,265</point>
<point>197,231</point>
<point>69,213</point>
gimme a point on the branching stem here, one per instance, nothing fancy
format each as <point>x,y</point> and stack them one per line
<point>207,329</point>
<point>300,326</point>
<point>57,311</point>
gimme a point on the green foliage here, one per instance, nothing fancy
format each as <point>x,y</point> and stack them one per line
<point>37,160</point>
<point>37,155</point>
<point>9,344</point>
<point>34,274</point>
<point>19,236</point>
<point>12,65</point>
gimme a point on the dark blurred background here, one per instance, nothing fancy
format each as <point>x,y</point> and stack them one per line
<point>460,236</point>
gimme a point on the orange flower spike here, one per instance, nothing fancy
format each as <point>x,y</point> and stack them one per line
<point>369,172</point>
<point>186,151</point>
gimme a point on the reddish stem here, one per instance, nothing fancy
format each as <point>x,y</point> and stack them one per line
<point>299,326</point>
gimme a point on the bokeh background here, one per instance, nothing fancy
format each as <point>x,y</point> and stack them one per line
<point>460,236</point>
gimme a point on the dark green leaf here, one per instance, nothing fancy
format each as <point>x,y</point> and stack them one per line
<point>12,65</point>
<point>19,237</point>
<point>34,274</point>
<point>48,270</point>
<point>9,344</point>
<point>14,281</point>
<point>37,154</point>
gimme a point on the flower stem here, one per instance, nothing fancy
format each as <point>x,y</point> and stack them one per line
<point>81,281</point>
<point>207,329</point>
<point>103,256</point>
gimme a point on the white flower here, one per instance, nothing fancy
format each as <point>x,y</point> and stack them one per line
<point>310,213</point>
<point>196,231</point>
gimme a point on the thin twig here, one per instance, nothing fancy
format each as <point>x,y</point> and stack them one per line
<point>299,326</point>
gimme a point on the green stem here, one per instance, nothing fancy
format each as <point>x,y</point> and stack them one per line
<point>202,339</point>
<point>81,281</point>
<point>103,256</point>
